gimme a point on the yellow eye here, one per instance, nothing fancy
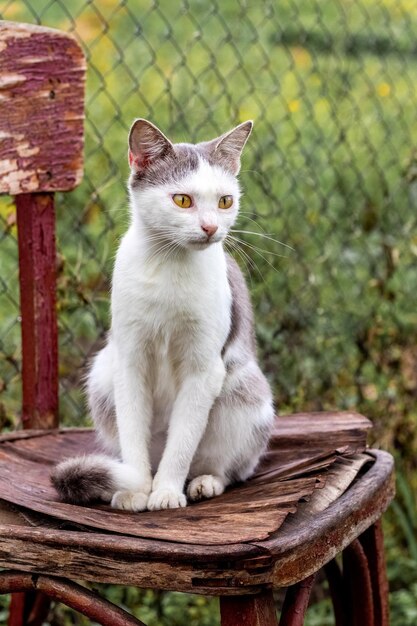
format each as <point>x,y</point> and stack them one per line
<point>182,200</point>
<point>225,202</point>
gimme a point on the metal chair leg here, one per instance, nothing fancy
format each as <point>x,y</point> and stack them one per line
<point>337,593</point>
<point>28,608</point>
<point>257,610</point>
<point>296,602</point>
<point>357,582</point>
<point>372,541</point>
<point>73,595</point>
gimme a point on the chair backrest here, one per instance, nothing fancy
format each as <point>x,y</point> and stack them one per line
<point>41,151</point>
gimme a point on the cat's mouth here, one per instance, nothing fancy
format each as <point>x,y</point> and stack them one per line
<point>202,244</point>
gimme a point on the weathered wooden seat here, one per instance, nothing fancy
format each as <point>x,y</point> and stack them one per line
<point>254,537</point>
<point>319,492</point>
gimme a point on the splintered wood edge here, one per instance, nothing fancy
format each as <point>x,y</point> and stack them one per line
<point>47,90</point>
<point>300,552</point>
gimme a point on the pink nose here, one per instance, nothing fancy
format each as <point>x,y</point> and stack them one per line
<point>209,229</point>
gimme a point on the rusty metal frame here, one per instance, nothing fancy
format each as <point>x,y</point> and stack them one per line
<point>357,582</point>
<point>72,594</point>
<point>335,579</point>
<point>296,602</point>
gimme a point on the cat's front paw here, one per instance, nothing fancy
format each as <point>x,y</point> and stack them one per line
<point>166,499</point>
<point>130,500</point>
<point>205,486</point>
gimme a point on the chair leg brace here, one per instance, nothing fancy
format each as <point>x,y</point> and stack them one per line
<point>28,608</point>
<point>73,595</point>
<point>296,602</point>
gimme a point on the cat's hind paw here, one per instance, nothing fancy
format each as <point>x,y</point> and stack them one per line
<point>130,500</point>
<point>166,499</point>
<point>205,486</point>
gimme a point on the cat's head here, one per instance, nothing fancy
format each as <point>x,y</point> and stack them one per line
<point>186,193</point>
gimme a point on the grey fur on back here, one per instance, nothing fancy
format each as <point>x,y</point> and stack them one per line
<point>242,322</point>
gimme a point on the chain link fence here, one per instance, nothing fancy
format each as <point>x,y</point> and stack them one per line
<point>330,180</point>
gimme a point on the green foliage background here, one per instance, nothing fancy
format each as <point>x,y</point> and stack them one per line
<point>330,171</point>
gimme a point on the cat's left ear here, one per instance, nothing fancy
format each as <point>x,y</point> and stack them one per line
<point>228,147</point>
<point>147,144</point>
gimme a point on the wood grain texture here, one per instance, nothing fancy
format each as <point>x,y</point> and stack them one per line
<point>245,513</point>
<point>230,569</point>
<point>162,556</point>
<point>37,261</point>
<point>41,109</point>
<point>84,564</point>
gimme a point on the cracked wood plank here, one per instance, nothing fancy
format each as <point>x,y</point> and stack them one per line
<point>41,109</point>
<point>248,512</point>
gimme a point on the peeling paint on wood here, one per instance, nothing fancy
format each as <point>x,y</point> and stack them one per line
<point>41,109</point>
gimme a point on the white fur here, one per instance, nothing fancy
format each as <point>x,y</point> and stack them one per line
<point>162,369</point>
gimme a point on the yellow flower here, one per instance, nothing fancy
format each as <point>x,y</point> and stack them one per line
<point>301,57</point>
<point>383,90</point>
<point>293,106</point>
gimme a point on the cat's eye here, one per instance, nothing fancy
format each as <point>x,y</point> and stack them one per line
<point>225,202</point>
<point>182,200</point>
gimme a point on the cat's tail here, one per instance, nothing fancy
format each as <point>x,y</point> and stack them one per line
<point>93,477</point>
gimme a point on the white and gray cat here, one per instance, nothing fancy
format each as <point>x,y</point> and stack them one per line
<point>176,395</point>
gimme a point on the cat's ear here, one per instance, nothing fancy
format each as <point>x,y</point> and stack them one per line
<point>147,144</point>
<point>228,148</point>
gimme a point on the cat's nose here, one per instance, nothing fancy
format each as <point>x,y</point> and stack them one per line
<point>209,229</point>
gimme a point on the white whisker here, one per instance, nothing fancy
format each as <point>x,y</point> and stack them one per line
<point>233,241</point>
<point>257,252</point>
<point>251,232</point>
<point>257,249</point>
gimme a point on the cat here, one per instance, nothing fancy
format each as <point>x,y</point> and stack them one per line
<point>176,395</point>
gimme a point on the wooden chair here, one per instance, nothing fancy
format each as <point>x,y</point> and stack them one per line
<point>318,493</point>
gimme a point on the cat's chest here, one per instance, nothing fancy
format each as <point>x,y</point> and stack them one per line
<point>173,300</point>
<point>167,302</point>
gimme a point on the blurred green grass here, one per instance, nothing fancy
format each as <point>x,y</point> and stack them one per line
<point>330,171</point>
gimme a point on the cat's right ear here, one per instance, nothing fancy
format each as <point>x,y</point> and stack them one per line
<point>147,144</point>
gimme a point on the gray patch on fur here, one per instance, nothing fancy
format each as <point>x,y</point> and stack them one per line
<point>242,470</point>
<point>104,415</point>
<point>226,150</point>
<point>169,168</point>
<point>172,162</point>
<point>242,324</point>
<point>83,480</point>
<point>251,389</point>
